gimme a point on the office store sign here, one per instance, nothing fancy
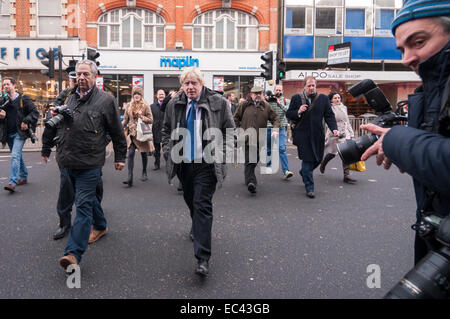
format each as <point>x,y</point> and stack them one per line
<point>178,62</point>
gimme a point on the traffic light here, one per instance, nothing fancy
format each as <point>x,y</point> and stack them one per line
<point>92,55</point>
<point>267,66</point>
<point>281,70</point>
<point>50,63</point>
<point>71,67</point>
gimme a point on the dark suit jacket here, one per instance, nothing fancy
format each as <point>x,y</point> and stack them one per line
<point>158,119</point>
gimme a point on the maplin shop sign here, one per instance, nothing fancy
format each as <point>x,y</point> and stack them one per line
<point>178,62</point>
<point>16,52</point>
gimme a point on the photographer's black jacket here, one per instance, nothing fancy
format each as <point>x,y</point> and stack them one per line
<point>26,113</point>
<point>418,149</point>
<point>81,142</point>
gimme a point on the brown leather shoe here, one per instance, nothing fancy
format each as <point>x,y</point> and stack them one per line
<point>67,260</point>
<point>10,188</point>
<point>96,235</point>
<point>22,182</point>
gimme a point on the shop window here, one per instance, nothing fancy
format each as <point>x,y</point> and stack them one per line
<point>225,30</point>
<point>49,17</point>
<point>355,22</point>
<point>4,17</point>
<point>131,29</point>
<point>384,18</point>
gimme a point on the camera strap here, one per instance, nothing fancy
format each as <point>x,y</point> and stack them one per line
<point>444,114</point>
<point>305,114</point>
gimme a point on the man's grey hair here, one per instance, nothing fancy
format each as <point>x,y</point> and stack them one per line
<point>92,64</point>
<point>445,23</point>
<point>195,72</point>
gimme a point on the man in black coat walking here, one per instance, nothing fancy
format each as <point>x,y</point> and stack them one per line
<point>18,117</point>
<point>158,119</point>
<point>307,110</point>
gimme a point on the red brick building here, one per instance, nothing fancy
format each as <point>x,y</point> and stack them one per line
<point>141,43</point>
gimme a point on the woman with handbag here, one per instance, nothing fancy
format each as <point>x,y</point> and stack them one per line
<point>345,133</point>
<point>137,118</point>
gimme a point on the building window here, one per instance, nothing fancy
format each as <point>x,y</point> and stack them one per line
<point>49,17</point>
<point>225,30</point>
<point>383,20</point>
<point>355,22</point>
<point>295,18</point>
<point>325,20</point>
<point>4,17</point>
<point>131,29</point>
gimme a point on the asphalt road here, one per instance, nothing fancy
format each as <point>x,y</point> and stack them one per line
<point>277,244</point>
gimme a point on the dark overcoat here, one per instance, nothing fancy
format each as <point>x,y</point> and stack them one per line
<point>309,134</point>
<point>158,119</point>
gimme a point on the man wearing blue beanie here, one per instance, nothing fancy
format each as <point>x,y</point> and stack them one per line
<point>422,33</point>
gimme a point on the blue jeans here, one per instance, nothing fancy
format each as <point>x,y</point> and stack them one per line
<point>66,198</point>
<point>307,174</point>
<point>18,169</point>
<point>88,209</point>
<point>281,146</point>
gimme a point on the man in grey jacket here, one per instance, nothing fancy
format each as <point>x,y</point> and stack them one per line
<point>197,109</point>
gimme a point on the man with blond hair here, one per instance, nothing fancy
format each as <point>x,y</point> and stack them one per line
<point>197,109</point>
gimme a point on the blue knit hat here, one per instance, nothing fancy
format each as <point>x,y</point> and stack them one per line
<point>418,9</point>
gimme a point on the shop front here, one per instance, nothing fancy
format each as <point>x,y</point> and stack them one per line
<point>396,85</point>
<point>21,60</point>
<point>152,71</point>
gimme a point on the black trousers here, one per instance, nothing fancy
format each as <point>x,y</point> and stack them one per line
<point>199,184</point>
<point>66,198</point>
<point>131,153</point>
<point>249,168</point>
<point>157,152</point>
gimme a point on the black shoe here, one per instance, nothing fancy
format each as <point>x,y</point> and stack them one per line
<point>61,232</point>
<point>251,188</point>
<point>202,268</point>
<point>157,166</point>
<point>349,180</point>
<point>310,194</point>
<point>144,177</point>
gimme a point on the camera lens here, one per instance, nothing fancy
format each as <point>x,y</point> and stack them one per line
<point>351,150</point>
<point>54,121</point>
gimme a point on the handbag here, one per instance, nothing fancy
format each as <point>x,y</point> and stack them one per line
<point>358,166</point>
<point>143,131</point>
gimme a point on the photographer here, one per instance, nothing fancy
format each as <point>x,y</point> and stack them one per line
<point>80,152</point>
<point>18,117</point>
<point>422,32</point>
<point>280,109</point>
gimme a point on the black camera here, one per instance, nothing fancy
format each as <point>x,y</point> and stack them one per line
<point>351,150</point>
<point>270,97</point>
<point>430,278</point>
<point>64,113</point>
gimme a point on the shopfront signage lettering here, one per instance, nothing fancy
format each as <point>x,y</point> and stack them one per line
<point>178,62</point>
<point>16,52</point>
<point>329,75</point>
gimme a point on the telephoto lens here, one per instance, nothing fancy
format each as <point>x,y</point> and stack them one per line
<point>54,121</point>
<point>428,280</point>
<point>351,150</point>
